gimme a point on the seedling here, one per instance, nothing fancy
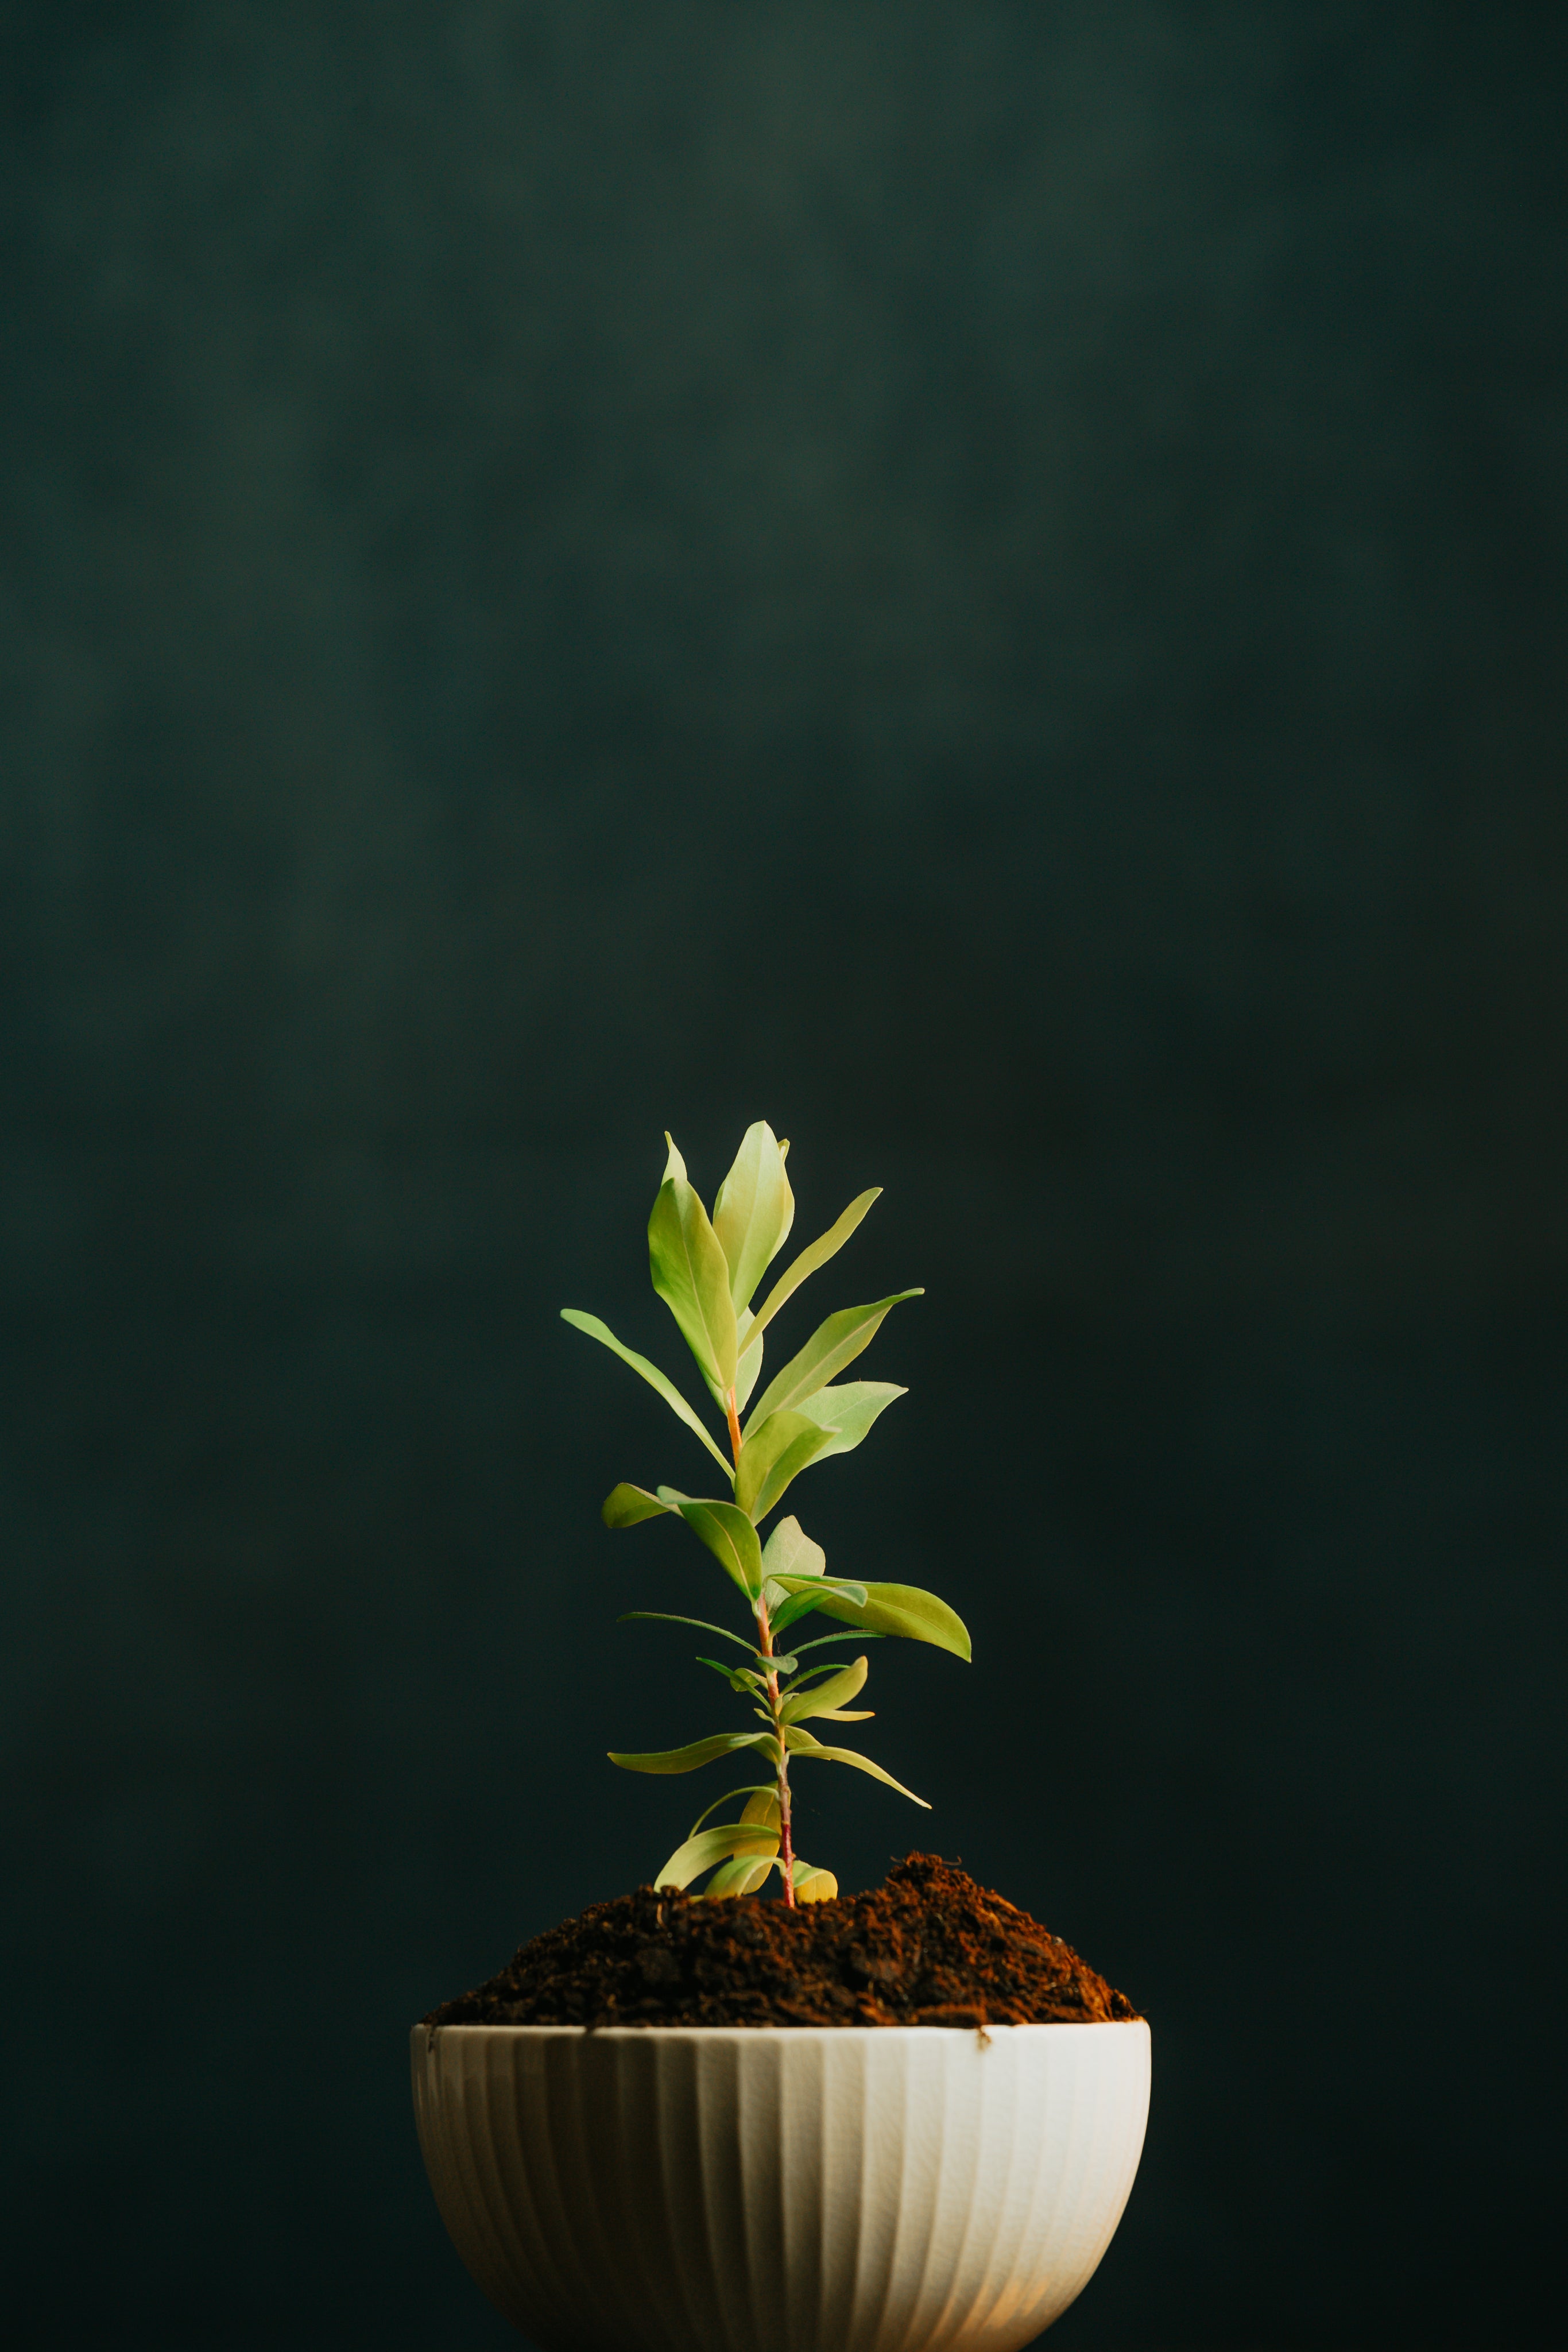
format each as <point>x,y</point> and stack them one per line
<point>706,1271</point>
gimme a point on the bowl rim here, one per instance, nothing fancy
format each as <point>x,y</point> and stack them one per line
<point>879,2033</point>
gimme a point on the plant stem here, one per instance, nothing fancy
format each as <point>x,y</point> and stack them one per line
<point>786,1849</point>
<point>765,1643</point>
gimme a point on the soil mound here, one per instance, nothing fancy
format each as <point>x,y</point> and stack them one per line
<point>926,1948</point>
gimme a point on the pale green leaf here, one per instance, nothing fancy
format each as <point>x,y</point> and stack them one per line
<point>625,1506</point>
<point>691,1274</point>
<point>789,1551</point>
<point>728,1535</point>
<point>816,1254</point>
<point>776,1451</point>
<point>847,1684</point>
<point>833,1344</point>
<point>699,1752</point>
<point>901,1609</point>
<point>753,1209</point>
<point>847,1412</point>
<point>650,1372</point>
<point>762,1805</point>
<point>741,1877</point>
<point>811,1884</point>
<point>700,1852</point>
<point>800,1743</point>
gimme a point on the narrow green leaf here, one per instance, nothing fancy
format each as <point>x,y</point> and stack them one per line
<point>748,1362</point>
<point>800,1743</point>
<point>756,1789</point>
<point>901,1609</point>
<point>650,1372</point>
<point>762,1806</point>
<point>847,1412</point>
<point>699,1752</point>
<point>753,1210</point>
<point>625,1506</point>
<point>728,1535</point>
<point>847,1684</point>
<point>828,1666</point>
<point>776,1452</point>
<point>862,1632</point>
<point>663,1617</point>
<point>691,1274</point>
<point>832,1346</point>
<point>700,1852</point>
<point>739,1677</point>
<point>816,1254</point>
<point>779,1664</point>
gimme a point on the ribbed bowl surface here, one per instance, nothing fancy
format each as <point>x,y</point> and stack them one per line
<point>729,2190</point>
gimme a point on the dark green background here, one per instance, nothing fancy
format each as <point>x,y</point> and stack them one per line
<point>986,583</point>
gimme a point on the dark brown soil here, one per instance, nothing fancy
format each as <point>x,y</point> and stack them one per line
<point>927,1947</point>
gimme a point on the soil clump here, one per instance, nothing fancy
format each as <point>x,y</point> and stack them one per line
<point>927,1947</point>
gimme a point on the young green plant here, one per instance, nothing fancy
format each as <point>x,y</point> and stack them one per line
<point>707,1270</point>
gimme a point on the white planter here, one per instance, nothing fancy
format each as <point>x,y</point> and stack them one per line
<point>721,2189</point>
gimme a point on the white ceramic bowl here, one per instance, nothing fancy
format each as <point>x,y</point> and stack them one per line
<point>725,2189</point>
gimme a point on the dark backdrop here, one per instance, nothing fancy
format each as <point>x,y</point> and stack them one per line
<point>986,583</point>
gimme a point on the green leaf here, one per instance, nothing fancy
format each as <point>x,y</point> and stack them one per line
<point>800,1743</point>
<point>774,1454</point>
<point>848,1411</point>
<point>691,1274</point>
<point>650,1372</point>
<point>753,1210</point>
<point>625,1506</point>
<point>700,1752</point>
<point>700,1852</point>
<point>790,1550</point>
<point>728,1535</point>
<point>816,1254</point>
<point>847,1684</point>
<point>901,1609</point>
<point>833,1344</point>
<point>762,1806</point>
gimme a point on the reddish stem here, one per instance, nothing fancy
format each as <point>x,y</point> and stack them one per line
<point>765,1643</point>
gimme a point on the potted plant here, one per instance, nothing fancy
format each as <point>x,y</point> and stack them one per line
<point>908,2118</point>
